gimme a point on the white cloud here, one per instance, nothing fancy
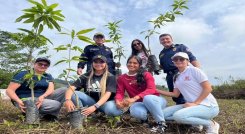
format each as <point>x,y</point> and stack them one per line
<point>141,4</point>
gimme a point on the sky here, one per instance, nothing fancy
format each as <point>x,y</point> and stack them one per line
<point>214,30</point>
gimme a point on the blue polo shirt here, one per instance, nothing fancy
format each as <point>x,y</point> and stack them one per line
<point>92,50</point>
<point>166,54</point>
<point>40,86</point>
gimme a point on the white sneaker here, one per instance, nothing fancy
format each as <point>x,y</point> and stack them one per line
<point>213,129</point>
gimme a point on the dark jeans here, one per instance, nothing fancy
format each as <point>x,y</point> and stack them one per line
<point>170,82</point>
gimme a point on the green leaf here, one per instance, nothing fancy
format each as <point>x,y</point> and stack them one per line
<point>58,18</point>
<point>44,3</point>
<point>56,25</point>
<point>25,30</point>
<point>36,3</point>
<point>30,20</point>
<point>40,29</point>
<point>37,22</point>
<point>61,61</point>
<point>46,39</point>
<point>85,39</point>
<point>85,31</point>
<point>72,33</point>
<point>53,5</point>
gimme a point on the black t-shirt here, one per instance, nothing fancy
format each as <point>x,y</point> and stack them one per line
<point>93,90</point>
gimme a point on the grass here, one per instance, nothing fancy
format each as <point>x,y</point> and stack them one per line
<point>231,119</point>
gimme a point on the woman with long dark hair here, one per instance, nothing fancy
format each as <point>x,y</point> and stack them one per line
<point>139,49</point>
<point>143,96</point>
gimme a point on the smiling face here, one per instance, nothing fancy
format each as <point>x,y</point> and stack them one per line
<point>41,67</point>
<point>133,65</point>
<point>137,45</point>
<point>99,40</point>
<point>99,65</point>
<point>166,41</point>
<point>180,62</point>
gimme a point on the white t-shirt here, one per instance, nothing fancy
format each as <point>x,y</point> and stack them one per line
<point>143,57</point>
<point>189,84</point>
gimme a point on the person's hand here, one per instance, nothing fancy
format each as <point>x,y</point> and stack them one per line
<point>89,110</point>
<point>187,104</point>
<point>119,104</point>
<point>128,102</point>
<point>21,105</point>
<point>40,101</point>
<point>79,71</point>
<point>69,105</point>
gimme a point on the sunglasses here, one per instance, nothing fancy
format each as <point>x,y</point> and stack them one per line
<point>42,65</point>
<point>136,44</point>
<point>178,59</point>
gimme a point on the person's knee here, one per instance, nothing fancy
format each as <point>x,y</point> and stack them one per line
<point>152,100</point>
<point>111,109</point>
<point>138,113</point>
<point>179,117</point>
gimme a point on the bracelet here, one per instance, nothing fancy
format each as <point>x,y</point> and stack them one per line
<point>97,105</point>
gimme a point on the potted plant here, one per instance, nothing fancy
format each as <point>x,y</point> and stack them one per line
<point>39,15</point>
<point>75,117</point>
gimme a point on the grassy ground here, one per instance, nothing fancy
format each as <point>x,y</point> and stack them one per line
<point>231,119</point>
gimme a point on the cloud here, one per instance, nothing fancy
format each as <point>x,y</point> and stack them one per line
<point>142,4</point>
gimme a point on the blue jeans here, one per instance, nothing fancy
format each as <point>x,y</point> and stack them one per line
<point>109,108</point>
<point>151,104</point>
<point>195,115</point>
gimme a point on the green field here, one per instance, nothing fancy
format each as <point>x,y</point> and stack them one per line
<point>231,119</point>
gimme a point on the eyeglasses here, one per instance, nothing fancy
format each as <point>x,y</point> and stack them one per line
<point>178,59</point>
<point>136,44</point>
<point>42,65</point>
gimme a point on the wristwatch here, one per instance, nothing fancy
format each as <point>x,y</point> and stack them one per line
<point>97,105</point>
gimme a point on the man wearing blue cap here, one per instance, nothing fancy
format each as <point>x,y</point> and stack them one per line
<point>98,49</point>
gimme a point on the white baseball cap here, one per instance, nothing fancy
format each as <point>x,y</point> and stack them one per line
<point>181,54</point>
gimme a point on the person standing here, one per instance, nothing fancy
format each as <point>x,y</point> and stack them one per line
<point>167,64</point>
<point>138,49</point>
<point>201,106</point>
<point>97,49</point>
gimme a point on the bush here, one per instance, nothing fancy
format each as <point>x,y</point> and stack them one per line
<point>232,89</point>
<point>5,78</point>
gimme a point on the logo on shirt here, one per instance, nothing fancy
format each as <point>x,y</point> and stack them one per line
<point>107,49</point>
<point>174,49</point>
<point>187,78</point>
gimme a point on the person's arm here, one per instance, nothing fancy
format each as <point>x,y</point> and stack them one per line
<point>102,101</point>
<point>195,63</point>
<point>68,103</point>
<point>12,95</point>
<point>206,86</point>
<point>48,92</point>
<point>150,85</point>
<point>175,93</point>
<point>120,92</point>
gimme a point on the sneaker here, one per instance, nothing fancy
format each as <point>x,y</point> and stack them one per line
<point>160,128</point>
<point>197,128</point>
<point>213,129</point>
